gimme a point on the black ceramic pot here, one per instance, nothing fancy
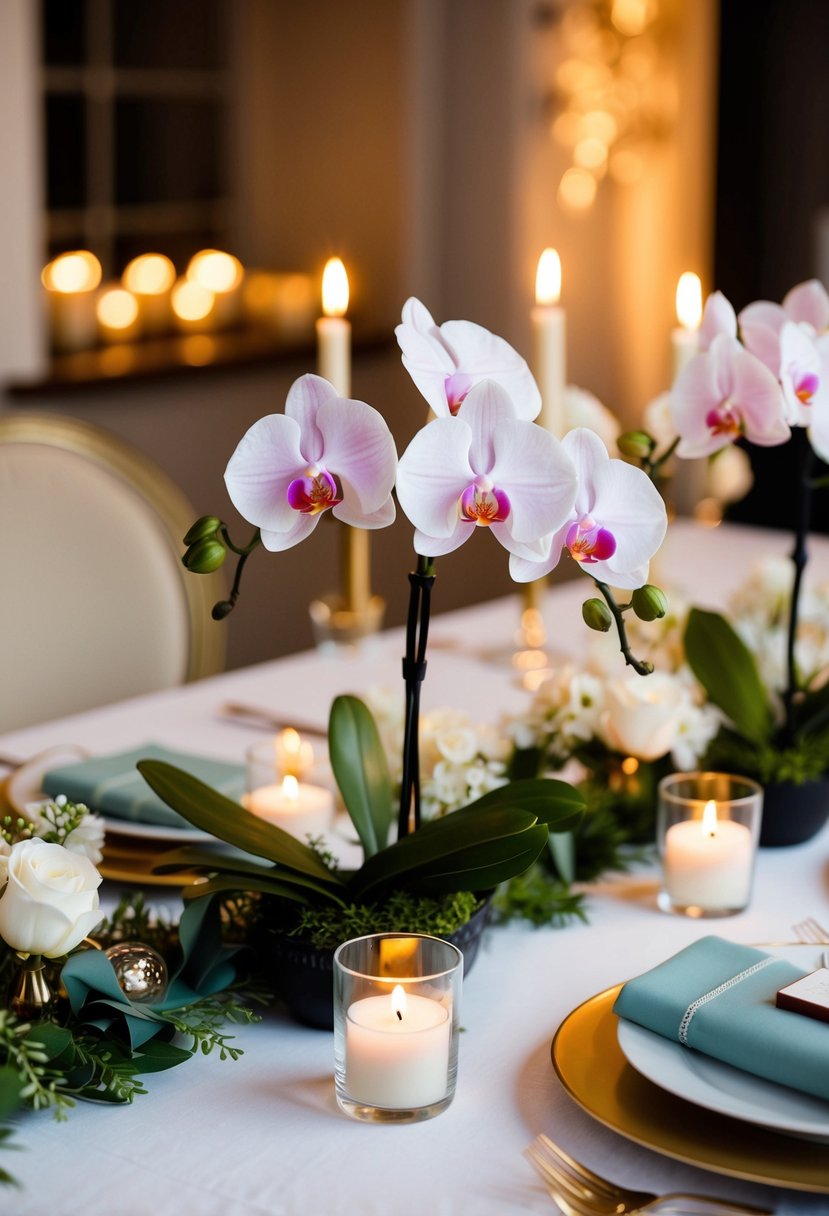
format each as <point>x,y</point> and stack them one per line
<point>792,813</point>
<point>304,974</point>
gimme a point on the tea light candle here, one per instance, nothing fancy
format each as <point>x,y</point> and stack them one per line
<point>549,352</point>
<point>397,1050</point>
<point>296,807</point>
<point>685,337</point>
<point>71,283</point>
<point>708,862</point>
<point>150,278</point>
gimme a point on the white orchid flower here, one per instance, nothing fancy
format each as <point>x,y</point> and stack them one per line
<point>486,467</point>
<point>324,453</point>
<point>617,523</point>
<point>446,361</point>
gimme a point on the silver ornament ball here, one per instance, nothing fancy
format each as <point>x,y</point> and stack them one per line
<point>140,970</point>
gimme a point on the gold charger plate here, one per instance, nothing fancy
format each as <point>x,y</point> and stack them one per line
<point>591,1067</point>
<point>125,863</point>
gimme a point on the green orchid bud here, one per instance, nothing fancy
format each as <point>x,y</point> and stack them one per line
<point>596,615</point>
<point>203,529</point>
<point>221,610</point>
<point>638,445</point>
<point>204,556</point>
<point>650,603</point>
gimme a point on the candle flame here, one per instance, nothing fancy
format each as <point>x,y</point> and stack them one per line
<point>289,741</point>
<point>398,1001</point>
<point>548,278</point>
<point>294,755</point>
<point>709,818</point>
<point>689,300</point>
<point>290,787</point>
<point>334,288</point>
<point>630,765</point>
<point>150,274</point>
<point>77,271</point>
<point>117,308</point>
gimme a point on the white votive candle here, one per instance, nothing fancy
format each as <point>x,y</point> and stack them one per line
<point>708,862</point>
<point>397,1050</point>
<point>295,806</point>
<point>334,329</point>
<point>549,360</point>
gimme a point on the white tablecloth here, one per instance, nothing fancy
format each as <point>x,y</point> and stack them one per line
<point>263,1136</point>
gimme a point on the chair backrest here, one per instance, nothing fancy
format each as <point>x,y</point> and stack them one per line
<point>95,605</point>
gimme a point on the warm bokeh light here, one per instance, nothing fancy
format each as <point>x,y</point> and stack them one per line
<point>548,278</point>
<point>150,274</point>
<point>689,300</point>
<point>218,272</point>
<point>600,124</point>
<point>630,16</point>
<point>626,166</point>
<point>334,288</point>
<point>71,272</point>
<point>577,190</point>
<point>117,308</point>
<point>191,301</point>
<point>630,765</point>
<point>590,153</point>
<point>709,818</point>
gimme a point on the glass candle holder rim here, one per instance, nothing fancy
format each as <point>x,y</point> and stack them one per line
<point>667,795</point>
<point>419,979</point>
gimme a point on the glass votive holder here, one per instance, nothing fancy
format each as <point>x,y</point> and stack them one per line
<point>280,798</point>
<point>708,826</point>
<point>396,1019</point>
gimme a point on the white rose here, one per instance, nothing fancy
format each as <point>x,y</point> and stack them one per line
<point>5,848</point>
<point>643,714</point>
<point>50,902</point>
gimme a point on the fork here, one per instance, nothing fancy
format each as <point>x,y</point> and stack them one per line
<point>809,930</point>
<point>580,1192</point>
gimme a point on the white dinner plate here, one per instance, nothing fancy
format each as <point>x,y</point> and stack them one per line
<point>154,831</point>
<point>719,1087</point>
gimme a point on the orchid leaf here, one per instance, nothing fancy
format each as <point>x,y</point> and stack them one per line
<point>562,847</point>
<point>239,866</point>
<point>228,881</point>
<point>553,802</point>
<point>212,812</point>
<point>726,669</point>
<point>458,852</point>
<point>362,772</point>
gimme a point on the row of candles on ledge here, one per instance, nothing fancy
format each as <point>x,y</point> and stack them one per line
<point>151,299</point>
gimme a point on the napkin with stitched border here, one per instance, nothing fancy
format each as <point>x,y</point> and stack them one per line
<point>112,785</point>
<point>718,997</point>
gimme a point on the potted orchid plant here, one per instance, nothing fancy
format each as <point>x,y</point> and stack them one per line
<point>482,464</point>
<point>761,378</point>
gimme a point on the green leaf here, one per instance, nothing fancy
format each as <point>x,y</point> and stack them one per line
<point>11,1084</point>
<point>246,882</point>
<point>238,866</point>
<point>457,853</point>
<point>362,772</point>
<point>812,714</point>
<point>212,812</point>
<point>562,847</point>
<point>726,669</point>
<point>556,803</point>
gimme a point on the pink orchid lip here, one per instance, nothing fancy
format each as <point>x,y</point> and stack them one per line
<point>483,504</point>
<point>456,387</point>
<point>806,388</point>
<point>588,542</point>
<point>314,493</point>
<point>724,420</point>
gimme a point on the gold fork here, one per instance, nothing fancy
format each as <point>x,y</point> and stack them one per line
<point>580,1192</point>
<point>809,930</point>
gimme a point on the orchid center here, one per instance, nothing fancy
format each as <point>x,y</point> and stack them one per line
<point>588,542</point>
<point>316,491</point>
<point>483,504</point>
<point>725,419</point>
<point>806,387</point>
<point>456,387</point>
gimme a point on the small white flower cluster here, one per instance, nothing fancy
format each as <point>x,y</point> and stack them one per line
<point>459,760</point>
<point>56,821</point>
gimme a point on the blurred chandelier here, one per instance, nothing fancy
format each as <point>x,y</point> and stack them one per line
<point>613,95</point>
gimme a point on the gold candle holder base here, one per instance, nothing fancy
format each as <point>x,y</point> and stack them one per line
<point>31,997</point>
<point>338,628</point>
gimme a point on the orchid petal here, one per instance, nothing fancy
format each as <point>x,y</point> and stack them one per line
<point>524,568</point>
<point>259,472</point>
<point>760,326</point>
<point>433,473</point>
<point>439,546</point>
<point>487,357</point>
<point>359,450</point>
<point>486,407</point>
<point>539,476</point>
<point>629,505</point>
<point>587,452</point>
<point>801,372</point>
<point>718,317</point>
<point>305,396</point>
<point>301,526</point>
<point>381,518</point>
<point>808,303</point>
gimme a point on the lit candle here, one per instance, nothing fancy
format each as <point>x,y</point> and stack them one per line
<point>708,862</point>
<point>549,349</point>
<point>117,314</point>
<point>296,807</point>
<point>222,274</point>
<point>397,1050</point>
<point>150,278</point>
<point>71,281</point>
<point>334,364</point>
<point>685,337</point>
<point>294,755</point>
<point>193,307</point>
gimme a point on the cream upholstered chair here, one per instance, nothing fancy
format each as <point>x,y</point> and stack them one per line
<point>95,605</point>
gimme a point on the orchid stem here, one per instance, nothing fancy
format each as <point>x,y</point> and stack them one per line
<point>224,607</point>
<point>414,673</point>
<point>641,667</point>
<point>652,467</point>
<point>800,556</point>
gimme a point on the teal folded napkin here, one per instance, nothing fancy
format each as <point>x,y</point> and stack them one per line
<point>113,786</point>
<point>719,998</point>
